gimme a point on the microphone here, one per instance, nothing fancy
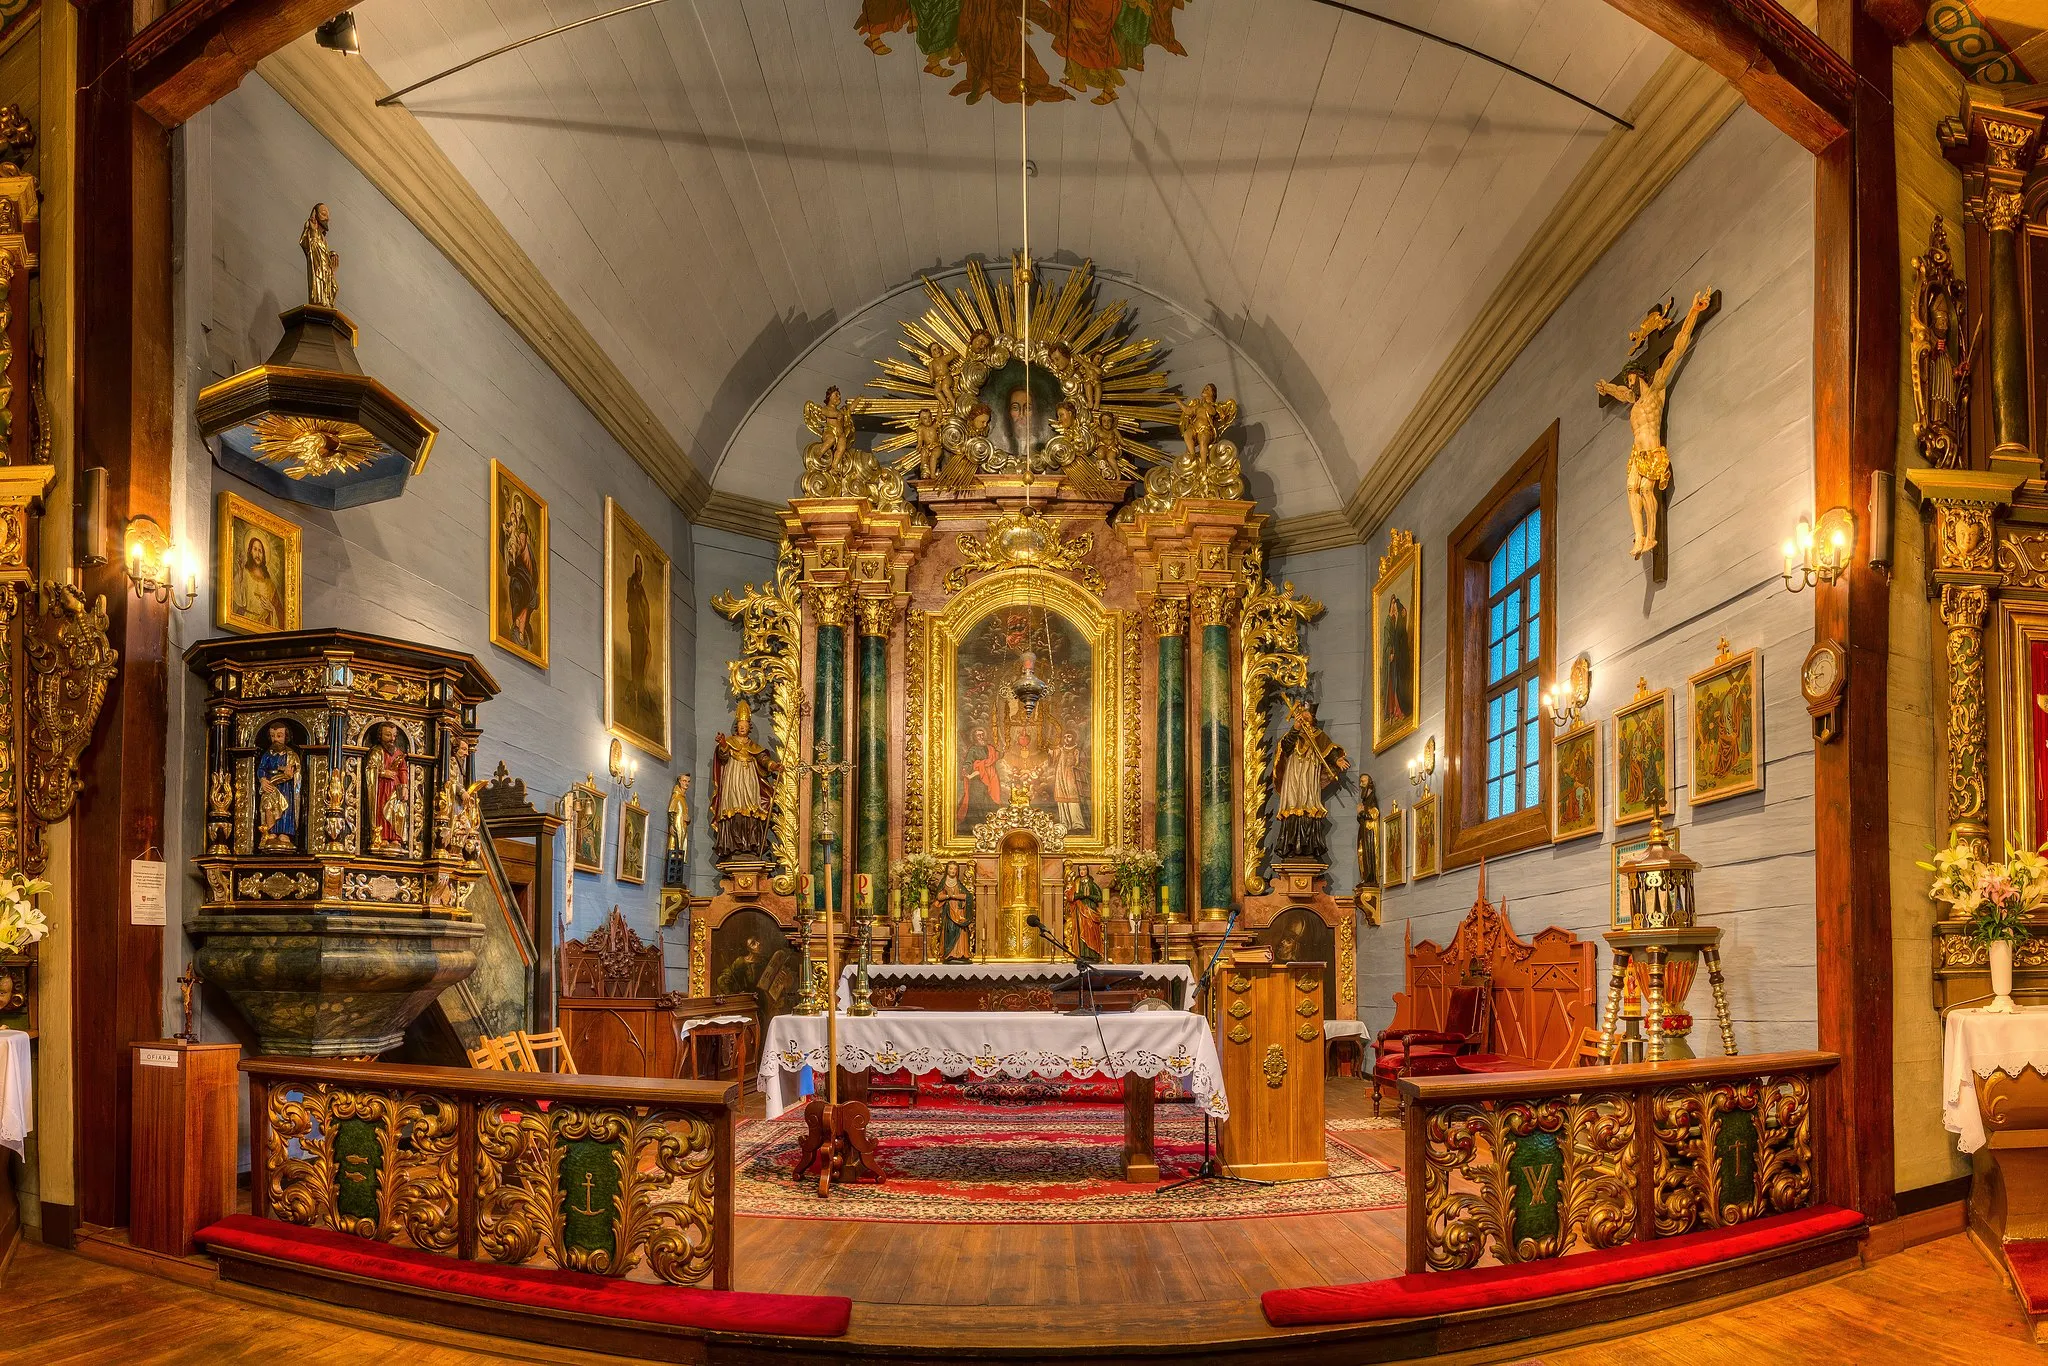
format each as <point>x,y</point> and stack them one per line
<point>1034,922</point>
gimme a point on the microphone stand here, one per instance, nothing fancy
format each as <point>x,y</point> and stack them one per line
<point>1211,1169</point>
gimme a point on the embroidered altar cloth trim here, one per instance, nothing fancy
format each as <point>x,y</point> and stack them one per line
<point>1975,1044</point>
<point>986,1043</point>
<point>17,1105</point>
<point>895,973</point>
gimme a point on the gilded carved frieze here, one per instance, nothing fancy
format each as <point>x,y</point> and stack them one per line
<point>1027,538</point>
<point>1963,539</point>
<point>1133,776</point>
<point>375,1164</point>
<point>2023,560</point>
<point>916,739</point>
<point>70,664</point>
<point>1963,607</point>
<point>1730,1151</point>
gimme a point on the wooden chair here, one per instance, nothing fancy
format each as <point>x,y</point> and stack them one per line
<point>532,1045</point>
<point>1396,1050</point>
<point>1592,1049</point>
<point>499,1054</point>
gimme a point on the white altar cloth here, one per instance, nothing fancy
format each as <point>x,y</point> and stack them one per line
<point>1975,1044</point>
<point>1150,973</point>
<point>987,1043</point>
<point>1344,1029</point>
<point>687,1027</point>
<point>17,1103</point>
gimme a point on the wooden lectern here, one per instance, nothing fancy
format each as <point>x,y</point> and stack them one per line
<point>1270,1023</point>
<point>182,1170</point>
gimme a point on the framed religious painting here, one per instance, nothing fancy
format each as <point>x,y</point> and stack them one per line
<point>260,585</point>
<point>1627,852</point>
<point>1642,755</point>
<point>632,842</point>
<point>1575,783</point>
<point>1425,836</point>
<point>1394,847</point>
<point>586,827</point>
<point>519,567</point>
<point>636,634</point>
<point>1727,727</point>
<point>1396,656</point>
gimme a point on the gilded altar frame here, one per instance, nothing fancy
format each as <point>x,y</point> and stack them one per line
<point>1114,745</point>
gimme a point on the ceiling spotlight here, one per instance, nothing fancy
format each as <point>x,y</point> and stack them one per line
<point>339,34</point>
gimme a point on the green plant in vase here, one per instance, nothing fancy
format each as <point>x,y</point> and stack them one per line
<point>1995,901</point>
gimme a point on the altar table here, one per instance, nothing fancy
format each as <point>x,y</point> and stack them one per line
<point>1140,1046</point>
<point>992,986</point>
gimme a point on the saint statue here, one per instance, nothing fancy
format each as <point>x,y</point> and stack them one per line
<point>954,908</point>
<point>323,263</point>
<point>742,774</point>
<point>1649,464</point>
<point>278,775</point>
<point>1084,912</point>
<point>679,818</point>
<point>1066,781</point>
<point>1305,763</point>
<point>391,792</point>
<point>1368,832</point>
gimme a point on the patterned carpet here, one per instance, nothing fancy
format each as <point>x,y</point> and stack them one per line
<point>1055,1164</point>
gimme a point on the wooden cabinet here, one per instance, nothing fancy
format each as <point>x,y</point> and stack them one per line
<point>620,1036</point>
<point>182,1165</point>
<point>1270,1023</point>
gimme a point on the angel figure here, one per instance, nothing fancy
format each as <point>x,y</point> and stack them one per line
<point>1649,464</point>
<point>832,423</point>
<point>1099,472</point>
<point>1073,435</point>
<point>942,368</point>
<point>1204,419</point>
<point>930,447</point>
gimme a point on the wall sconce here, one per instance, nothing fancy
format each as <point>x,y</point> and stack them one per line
<point>1819,554</point>
<point>1567,701</point>
<point>1421,770</point>
<point>625,771</point>
<point>158,566</point>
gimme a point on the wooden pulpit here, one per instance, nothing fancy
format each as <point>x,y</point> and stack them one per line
<point>1270,1027</point>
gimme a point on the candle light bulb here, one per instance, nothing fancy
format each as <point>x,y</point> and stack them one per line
<point>1805,534</point>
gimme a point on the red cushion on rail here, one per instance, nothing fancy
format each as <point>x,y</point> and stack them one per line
<point>2029,1262</point>
<point>718,1311</point>
<point>1493,1287</point>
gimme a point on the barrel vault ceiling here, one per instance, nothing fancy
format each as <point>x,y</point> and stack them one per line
<point>1316,203</point>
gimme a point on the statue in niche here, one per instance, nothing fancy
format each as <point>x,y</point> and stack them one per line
<point>742,775</point>
<point>279,773</point>
<point>323,263</point>
<point>1084,913</point>
<point>1644,392</point>
<point>954,908</point>
<point>1305,763</point>
<point>391,792</point>
<point>1368,832</point>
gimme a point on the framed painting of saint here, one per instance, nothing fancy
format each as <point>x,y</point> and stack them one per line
<point>632,842</point>
<point>260,585</point>
<point>1627,852</point>
<point>1727,728</point>
<point>636,634</point>
<point>1396,658</point>
<point>1642,755</point>
<point>586,827</point>
<point>1425,836</point>
<point>519,567</point>
<point>1394,847</point>
<point>1575,783</point>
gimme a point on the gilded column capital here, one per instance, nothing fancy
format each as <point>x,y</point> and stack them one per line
<point>1964,605</point>
<point>1169,616</point>
<point>1215,604</point>
<point>2006,141</point>
<point>877,616</point>
<point>2002,210</point>
<point>831,603</point>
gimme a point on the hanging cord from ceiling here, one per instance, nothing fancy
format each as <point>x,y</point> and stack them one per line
<point>1378,18</point>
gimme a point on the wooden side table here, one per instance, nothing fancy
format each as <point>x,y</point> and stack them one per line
<point>182,1170</point>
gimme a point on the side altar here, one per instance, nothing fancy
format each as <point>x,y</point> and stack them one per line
<point>1016,665</point>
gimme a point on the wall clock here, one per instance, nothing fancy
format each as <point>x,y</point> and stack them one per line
<point>1821,679</point>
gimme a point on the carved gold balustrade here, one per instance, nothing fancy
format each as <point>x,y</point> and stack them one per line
<point>1525,1166</point>
<point>616,1176</point>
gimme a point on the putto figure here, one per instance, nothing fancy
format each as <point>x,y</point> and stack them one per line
<point>1649,464</point>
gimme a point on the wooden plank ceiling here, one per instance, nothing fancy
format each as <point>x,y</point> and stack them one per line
<point>715,186</point>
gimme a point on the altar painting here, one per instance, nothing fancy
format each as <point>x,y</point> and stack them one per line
<point>1021,404</point>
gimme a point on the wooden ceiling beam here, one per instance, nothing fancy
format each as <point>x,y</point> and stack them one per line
<point>1781,67</point>
<point>203,49</point>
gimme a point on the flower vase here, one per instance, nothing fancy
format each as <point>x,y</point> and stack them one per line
<point>2001,978</point>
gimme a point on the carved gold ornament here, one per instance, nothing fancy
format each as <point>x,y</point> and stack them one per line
<point>1274,1065</point>
<point>1697,1174</point>
<point>1941,352</point>
<point>1240,983</point>
<point>771,643</point>
<point>1022,537</point>
<point>1399,543</point>
<point>1240,1033</point>
<point>400,1186</point>
<point>1307,1031</point>
<point>1271,660</point>
<point>1593,1177</point>
<point>1963,607</point>
<point>70,664</point>
<point>1240,1009</point>
<point>1963,541</point>
<point>313,447</point>
<point>836,468</point>
<point>2023,560</point>
<point>913,733</point>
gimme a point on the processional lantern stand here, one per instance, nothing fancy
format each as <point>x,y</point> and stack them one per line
<point>1663,948</point>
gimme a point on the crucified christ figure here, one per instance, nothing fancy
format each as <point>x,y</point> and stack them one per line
<point>1649,464</point>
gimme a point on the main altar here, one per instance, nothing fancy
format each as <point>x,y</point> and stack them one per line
<point>1007,697</point>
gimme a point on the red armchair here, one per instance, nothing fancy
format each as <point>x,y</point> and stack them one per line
<point>1395,1050</point>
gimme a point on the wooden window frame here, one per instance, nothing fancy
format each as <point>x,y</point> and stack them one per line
<point>1529,486</point>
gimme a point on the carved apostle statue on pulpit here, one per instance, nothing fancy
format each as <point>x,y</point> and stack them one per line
<point>742,773</point>
<point>1305,764</point>
<point>391,792</point>
<point>278,772</point>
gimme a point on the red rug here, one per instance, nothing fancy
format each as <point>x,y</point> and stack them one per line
<point>2029,1262</point>
<point>1052,1164</point>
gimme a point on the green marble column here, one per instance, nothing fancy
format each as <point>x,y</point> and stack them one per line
<point>1170,620</point>
<point>871,820</point>
<point>1218,815</point>
<point>828,728</point>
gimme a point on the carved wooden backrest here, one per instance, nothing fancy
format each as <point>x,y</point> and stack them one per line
<point>612,962</point>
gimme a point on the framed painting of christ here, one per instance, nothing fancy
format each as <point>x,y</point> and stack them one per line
<point>519,567</point>
<point>260,586</point>
<point>636,634</point>
<point>1727,728</point>
<point>1396,658</point>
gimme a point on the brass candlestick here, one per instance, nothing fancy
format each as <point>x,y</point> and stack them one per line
<point>807,998</point>
<point>863,997</point>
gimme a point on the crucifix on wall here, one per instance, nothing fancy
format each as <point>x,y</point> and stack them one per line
<point>1656,351</point>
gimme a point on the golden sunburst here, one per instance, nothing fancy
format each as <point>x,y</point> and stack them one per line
<point>313,447</point>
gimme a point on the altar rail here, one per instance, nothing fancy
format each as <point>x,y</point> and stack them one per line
<point>1524,1166</point>
<point>617,1176</point>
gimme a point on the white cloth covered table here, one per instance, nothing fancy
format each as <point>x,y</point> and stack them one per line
<point>986,1043</point>
<point>17,1102</point>
<point>687,1027</point>
<point>1343,1029</point>
<point>1149,973</point>
<point>1975,1044</point>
